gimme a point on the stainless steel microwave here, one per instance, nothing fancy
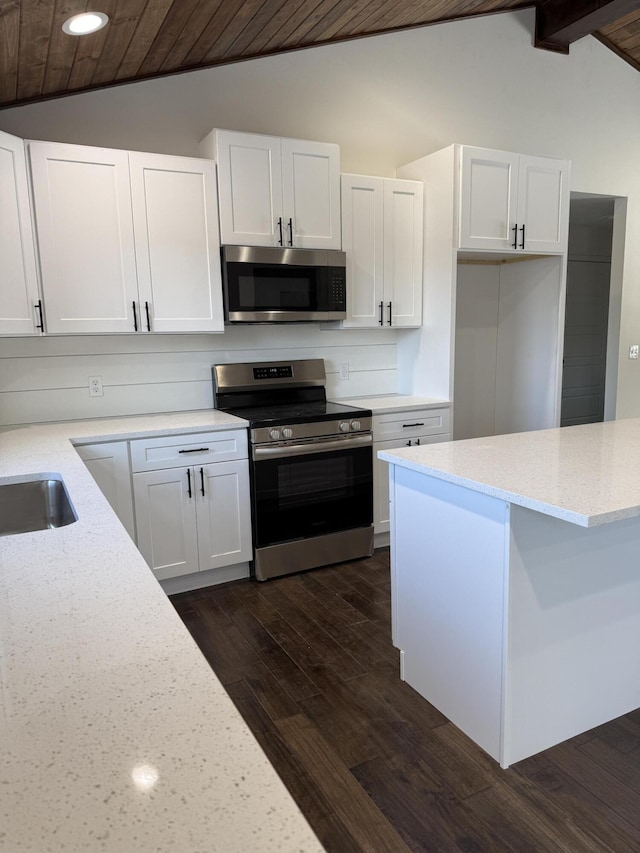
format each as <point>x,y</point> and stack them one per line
<point>264,284</point>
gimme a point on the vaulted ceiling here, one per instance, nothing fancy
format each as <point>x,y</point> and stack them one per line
<point>150,38</point>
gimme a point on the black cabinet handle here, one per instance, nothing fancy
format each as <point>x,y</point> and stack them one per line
<point>381,313</point>
<point>135,317</point>
<point>40,325</point>
<point>195,450</point>
<point>405,426</point>
<point>202,481</point>
<point>290,231</point>
<point>514,245</point>
<point>389,307</point>
<point>189,482</point>
<point>146,308</point>
<point>522,244</point>
<point>281,238</point>
<point>417,441</point>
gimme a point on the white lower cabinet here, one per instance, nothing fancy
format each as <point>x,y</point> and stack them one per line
<point>108,464</point>
<point>192,518</point>
<point>401,429</point>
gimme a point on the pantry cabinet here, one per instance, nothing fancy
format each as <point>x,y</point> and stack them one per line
<point>20,312</point>
<point>382,235</point>
<point>192,502</point>
<point>276,192</point>
<point>402,429</point>
<point>512,203</point>
<point>128,241</point>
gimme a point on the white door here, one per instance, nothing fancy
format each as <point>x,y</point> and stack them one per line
<point>362,241</point>
<point>166,521</point>
<point>85,234</point>
<point>250,188</point>
<point>403,238</point>
<point>311,194</point>
<point>488,187</point>
<point>108,464</point>
<point>223,514</point>
<point>543,204</point>
<point>18,277</point>
<point>175,217</point>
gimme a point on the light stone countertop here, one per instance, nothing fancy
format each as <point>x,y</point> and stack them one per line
<point>394,402</point>
<point>587,475</point>
<point>115,733</point>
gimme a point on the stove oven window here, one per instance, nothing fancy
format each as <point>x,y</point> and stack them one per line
<point>302,496</point>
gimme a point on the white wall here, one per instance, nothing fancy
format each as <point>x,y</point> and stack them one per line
<point>390,99</point>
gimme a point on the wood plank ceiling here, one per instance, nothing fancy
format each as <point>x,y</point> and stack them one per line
<point>150,38</point>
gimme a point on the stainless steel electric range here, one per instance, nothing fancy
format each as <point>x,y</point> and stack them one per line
<point>311,465</point>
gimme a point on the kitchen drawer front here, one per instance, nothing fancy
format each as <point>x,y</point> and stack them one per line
<point>173,451</point>
<point>406,425</point>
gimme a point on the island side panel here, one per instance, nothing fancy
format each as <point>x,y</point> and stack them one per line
<point>574,633</point>
<point>449,550</point>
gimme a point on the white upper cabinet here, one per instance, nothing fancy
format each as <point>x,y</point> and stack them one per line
<point>19,311</point>
<point>85,236</point>
<point>176,239</point>
<point>382,236</point>
<point>276,192</point>
<point>512,202</point>
<point>311,194</point>
<point>128,242</point>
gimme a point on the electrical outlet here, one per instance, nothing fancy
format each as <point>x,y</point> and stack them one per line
<point>633,351</point>
<point>344,370</point>
<point>95,386</point>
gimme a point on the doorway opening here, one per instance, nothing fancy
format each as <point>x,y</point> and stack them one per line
<point>592,308</point>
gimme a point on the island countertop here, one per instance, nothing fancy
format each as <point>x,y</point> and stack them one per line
<point>116,735</point>
<point>587,475</point>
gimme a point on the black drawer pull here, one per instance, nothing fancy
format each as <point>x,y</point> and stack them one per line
<point>405,426</point>
<point>195,450</point>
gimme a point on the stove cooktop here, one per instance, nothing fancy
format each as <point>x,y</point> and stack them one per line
<point>297,413</point>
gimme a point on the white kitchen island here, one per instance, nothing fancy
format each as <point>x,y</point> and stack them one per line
<point>516,581</point>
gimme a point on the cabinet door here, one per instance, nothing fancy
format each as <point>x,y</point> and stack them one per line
<point>403,239</point>
<point>166,521</point>
<point>311,194</point>
<point>488,187</point>
<point>85,233</point>
<point>381,476</point>
<point>175,217</point>
<point>108,464</point>
<point>362,240</point>
<point>250,188</point>
<point>543,204</point>
<point>18,278</point>
<point>223,514</point>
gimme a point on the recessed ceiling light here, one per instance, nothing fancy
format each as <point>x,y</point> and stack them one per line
<point>87,22</point>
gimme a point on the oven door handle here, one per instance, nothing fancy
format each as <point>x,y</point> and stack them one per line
<point>281,451</point>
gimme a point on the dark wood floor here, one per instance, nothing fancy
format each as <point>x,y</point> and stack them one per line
<point>309,663</point>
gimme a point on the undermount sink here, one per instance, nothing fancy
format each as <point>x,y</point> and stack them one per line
<point>37,504</point>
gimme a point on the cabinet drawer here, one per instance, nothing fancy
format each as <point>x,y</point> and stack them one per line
<point>172,451</point>
<point>406,425</point>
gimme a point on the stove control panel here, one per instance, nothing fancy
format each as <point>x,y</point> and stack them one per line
<point>311,430</point>
<point>280,371</point>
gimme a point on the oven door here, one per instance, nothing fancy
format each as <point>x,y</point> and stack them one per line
<point>311,488</point>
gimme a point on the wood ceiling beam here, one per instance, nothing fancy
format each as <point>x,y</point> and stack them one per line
<point>561,22</point>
